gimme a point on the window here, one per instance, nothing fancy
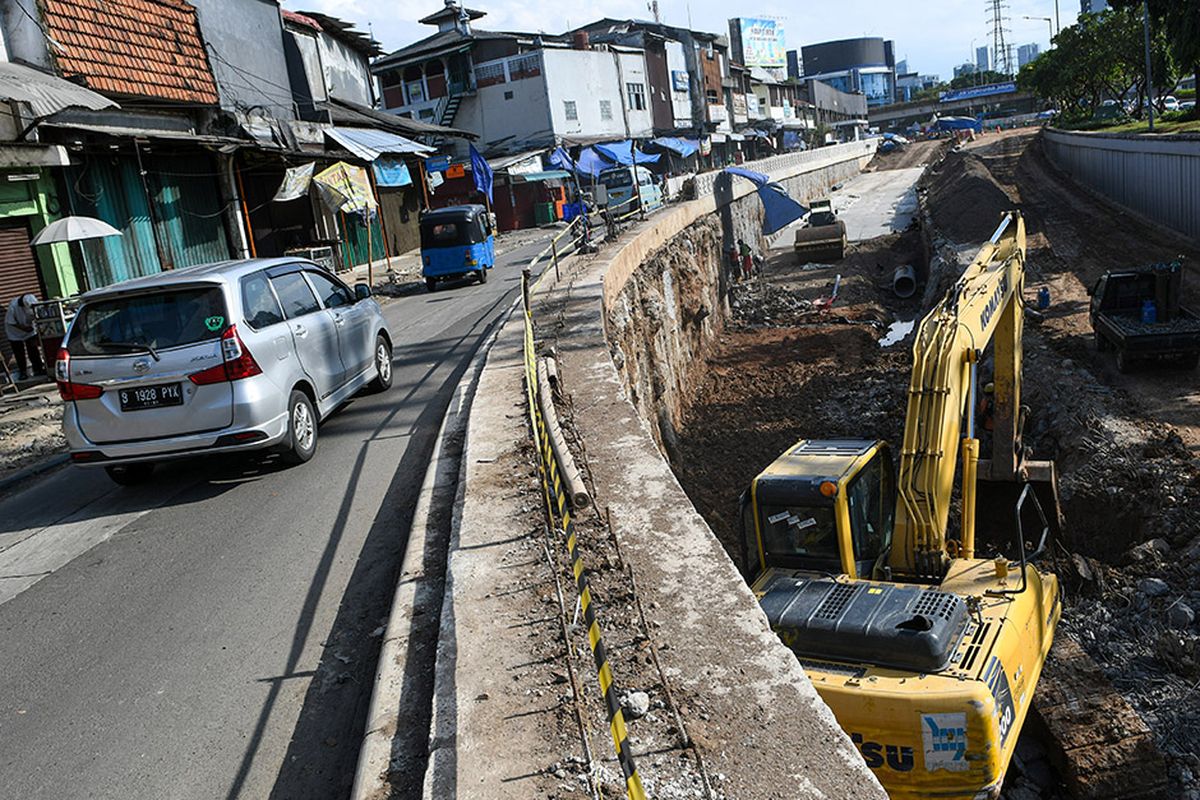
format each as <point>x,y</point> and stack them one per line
<point>570,110</point>
<point>712,97</point>
<point>637,96</point>
<point>529,66</point>
<point>259,305</point>
<point>605,109</point>
<point>332,293</point>
<point>489,74</point>
<point>164,319</point>
<point>442,234</point>
<point>295,295</point>
<point>798,531</point>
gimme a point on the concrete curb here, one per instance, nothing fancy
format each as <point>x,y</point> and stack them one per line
<point>33,470</point>
<point>388,700</point>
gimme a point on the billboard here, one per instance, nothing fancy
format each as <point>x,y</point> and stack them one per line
<point>972,92</point>
<point>762,42</point>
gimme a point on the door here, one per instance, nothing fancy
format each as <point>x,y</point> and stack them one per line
<point>313,331</point>
<point>352,319</point>
<point>19,273</point>
<point>140,349</point>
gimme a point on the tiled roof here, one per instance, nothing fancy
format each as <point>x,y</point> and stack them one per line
<point>140,48</point>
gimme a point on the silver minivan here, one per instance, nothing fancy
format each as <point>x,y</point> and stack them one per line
<point>232,356</point>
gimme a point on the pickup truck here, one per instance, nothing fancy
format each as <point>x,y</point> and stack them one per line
<point>1136,312</point>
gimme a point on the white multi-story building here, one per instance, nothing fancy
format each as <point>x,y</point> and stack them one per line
<point>517,91</point>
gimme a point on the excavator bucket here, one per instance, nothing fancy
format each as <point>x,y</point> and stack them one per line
<point>999,519</point>
<point>821,243</point>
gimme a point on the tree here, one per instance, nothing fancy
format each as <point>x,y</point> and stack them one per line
<point>1178,21</point>
<point>1099,58</point>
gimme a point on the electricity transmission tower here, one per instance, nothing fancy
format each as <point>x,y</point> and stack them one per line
<point>1001,49</point>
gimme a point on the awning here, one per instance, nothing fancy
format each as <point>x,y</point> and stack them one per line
<point>370,143</point>
<point>46,94</point>
<point>20,155</point>
<point>544,175</point>
<point>589,162</point>
<point>517,160</point>
<point>682,147</point>
<point>622,153</point>
<point>125,132</point>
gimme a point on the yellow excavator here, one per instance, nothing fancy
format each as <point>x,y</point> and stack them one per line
<point>927,654</point>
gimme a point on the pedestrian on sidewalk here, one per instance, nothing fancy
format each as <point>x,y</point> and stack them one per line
<point>22,336</point>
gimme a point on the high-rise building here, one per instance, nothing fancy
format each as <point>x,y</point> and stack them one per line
<point>1092,6</point>
<point>866,65</point>
<point>981,59</point>
<point>902,67</point>
<point>1027,53</point>
<point>965,69</point>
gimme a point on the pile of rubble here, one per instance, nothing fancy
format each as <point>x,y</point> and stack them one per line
<point>757,303</point>
<point>30,428</point>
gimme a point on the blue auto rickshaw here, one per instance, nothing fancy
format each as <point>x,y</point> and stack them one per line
<point>456,242</point>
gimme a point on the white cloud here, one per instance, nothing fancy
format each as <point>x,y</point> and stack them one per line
<point>933,37</point>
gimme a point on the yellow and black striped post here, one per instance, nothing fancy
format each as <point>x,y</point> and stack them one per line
<point>556,501</point>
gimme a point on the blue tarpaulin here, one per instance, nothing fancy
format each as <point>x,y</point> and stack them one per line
<point>682,147</point>
<point>620,152</point>
<point>779,209</point>
<point>589,162</point>
<point>959,124</point>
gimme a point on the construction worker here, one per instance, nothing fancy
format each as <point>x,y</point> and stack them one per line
<point>22,336</point>
<point>987,408</point>
<point>747,260</point>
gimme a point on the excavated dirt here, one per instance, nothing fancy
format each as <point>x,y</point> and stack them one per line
<point>1127,447</point>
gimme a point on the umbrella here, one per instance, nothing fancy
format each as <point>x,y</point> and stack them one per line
<point>74,229</point>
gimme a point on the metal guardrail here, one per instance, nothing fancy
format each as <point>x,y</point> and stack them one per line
<point>559,508</point>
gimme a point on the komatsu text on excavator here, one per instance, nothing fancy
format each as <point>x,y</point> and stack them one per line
<point>927,654</point>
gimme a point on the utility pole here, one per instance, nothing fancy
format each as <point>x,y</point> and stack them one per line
<point>1149,74</point>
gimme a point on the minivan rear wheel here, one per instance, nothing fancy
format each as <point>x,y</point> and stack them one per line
<point>383,365</point>
<point>130,474</point>
<point>302,429</point>
<point>431,284</point>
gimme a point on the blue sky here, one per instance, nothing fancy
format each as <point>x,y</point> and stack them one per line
<point>933,36</point>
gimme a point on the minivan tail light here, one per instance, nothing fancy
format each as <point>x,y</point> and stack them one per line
<point>237,362</point>
<point>67,389</point>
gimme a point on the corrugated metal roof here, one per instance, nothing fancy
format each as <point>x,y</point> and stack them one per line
<point>370,143</point>
<point>46,94</point>
<point>142,48</point>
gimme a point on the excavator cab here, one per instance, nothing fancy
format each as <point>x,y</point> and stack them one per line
<point>826,506</point>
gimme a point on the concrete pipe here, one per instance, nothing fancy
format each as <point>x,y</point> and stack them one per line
<point>904,282</point>
<point>573,484</point>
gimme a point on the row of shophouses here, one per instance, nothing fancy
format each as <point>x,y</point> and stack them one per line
<point>178,123</point>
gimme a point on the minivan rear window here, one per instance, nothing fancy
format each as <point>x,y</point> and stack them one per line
<point>159,320</point>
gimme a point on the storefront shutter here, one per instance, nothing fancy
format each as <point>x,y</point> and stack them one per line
<point>19,272</point>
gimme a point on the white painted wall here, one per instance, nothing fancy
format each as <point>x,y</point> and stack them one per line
<point>511,116</point>
<point>589,76</point>
<point>346,74</point>
<point>681,101</point>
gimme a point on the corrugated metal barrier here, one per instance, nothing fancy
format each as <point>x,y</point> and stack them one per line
<point>1157,177</point>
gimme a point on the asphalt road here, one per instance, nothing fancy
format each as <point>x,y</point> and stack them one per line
<point>214,634</point>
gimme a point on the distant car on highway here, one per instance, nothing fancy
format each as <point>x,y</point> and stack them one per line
<point>224,357</point>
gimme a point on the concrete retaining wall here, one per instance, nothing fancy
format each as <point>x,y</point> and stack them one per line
<point>1157,177</point>
<point>664,293</point>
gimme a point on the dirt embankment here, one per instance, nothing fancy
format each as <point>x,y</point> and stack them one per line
<point>30,428</point>
<point>1127,447</point>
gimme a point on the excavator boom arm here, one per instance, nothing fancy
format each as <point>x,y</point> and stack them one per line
<point>985,302</point>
